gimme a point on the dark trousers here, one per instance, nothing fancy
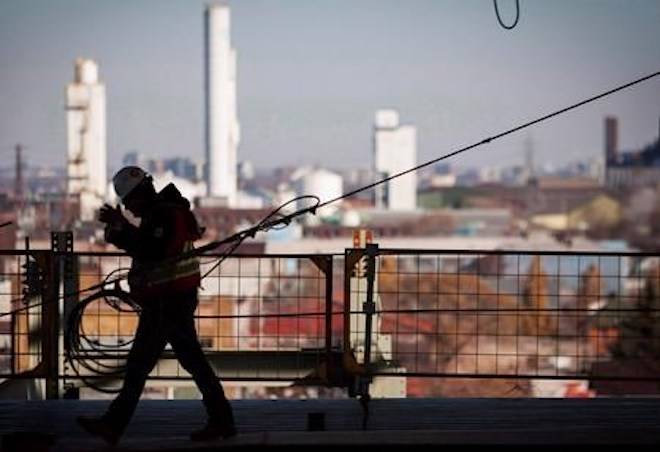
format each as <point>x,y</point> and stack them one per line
<point>161,321</point>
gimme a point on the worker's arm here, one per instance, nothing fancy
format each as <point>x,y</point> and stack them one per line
<point>123,235</point>
<point>147,241</point>
<point>118,231</point>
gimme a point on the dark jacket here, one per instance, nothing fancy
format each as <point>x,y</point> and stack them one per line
<point>167,229</point>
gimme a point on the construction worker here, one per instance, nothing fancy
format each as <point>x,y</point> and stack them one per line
<point>166,290</point>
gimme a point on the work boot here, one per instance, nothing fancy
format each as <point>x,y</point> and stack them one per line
<point>213,430</point>
<point>96,426</point>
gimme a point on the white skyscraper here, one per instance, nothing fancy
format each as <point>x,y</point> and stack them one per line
<point>395,150</point>
<point>86,164</point>
<point>222,128</point>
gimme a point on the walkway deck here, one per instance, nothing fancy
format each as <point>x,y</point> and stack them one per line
<point>164,425</point>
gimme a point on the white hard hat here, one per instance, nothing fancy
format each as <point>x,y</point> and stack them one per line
<point>127,179</point>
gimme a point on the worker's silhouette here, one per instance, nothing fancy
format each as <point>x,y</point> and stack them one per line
<point>166,289</point>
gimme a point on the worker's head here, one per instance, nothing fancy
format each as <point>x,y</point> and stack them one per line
<point>135,188</point>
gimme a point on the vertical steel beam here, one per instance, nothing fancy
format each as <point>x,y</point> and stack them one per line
<point>61,247</point>
<point>369,306</point>
<point>352,257</point>
<point>51,323</point>
<point>70,276</point>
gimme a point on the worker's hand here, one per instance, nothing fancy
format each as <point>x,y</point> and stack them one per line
<point>110,215</point>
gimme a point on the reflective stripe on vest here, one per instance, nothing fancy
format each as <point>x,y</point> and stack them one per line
<point>177,270</point>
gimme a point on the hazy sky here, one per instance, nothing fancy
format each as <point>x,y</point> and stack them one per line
<point>311,74</point>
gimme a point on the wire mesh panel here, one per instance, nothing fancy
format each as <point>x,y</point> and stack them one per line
<point>98,328</point>
<point>512,315</point>
<point>21,314</point>
<point>258,318</point>
<point>267,310</point>
<point>288,318</point>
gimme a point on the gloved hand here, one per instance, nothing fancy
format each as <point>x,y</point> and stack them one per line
<point>111,215</point>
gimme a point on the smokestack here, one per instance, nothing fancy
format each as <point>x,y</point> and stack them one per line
<point>222,127</point>
<point>611,138</point>
<point>18,181</point>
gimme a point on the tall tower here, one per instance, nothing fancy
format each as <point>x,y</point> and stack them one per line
<point>86,157</point>
<point>395,150</point>
<point>611,139</point>
<point>222,128</point>
<point>18,178</point>
<point>529,157</point>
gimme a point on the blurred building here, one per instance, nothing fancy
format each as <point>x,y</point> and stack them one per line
<point>438,176</point>
<point>222,127</point>
<point>319,182</point>
<point>602,211</point>
<point>134,158</point>
<point>86,138</point>
<point>185,168</point>
<point>246,174</point>
<point>395,150</point>
<point>634,169</point>
<point>489,174</point>
<point>182,167</point>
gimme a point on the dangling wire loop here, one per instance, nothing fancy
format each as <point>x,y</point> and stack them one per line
<point>499,18</point>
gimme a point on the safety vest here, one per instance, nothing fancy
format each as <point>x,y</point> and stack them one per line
<point>172,272</point>
<point>168,278</point>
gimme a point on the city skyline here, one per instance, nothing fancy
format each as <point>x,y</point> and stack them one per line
<point>310,77</point>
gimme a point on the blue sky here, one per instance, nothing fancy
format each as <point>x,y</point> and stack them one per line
<point>311,74</point>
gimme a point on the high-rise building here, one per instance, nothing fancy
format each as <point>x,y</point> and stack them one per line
<point>86,165</point>
<point>222,127</point>
<point>395,150</point>
<point>630,169</point>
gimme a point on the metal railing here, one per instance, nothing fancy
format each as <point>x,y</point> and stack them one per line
<point>401,314</point>
<point>508,314</point>
<point>258,317</point>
